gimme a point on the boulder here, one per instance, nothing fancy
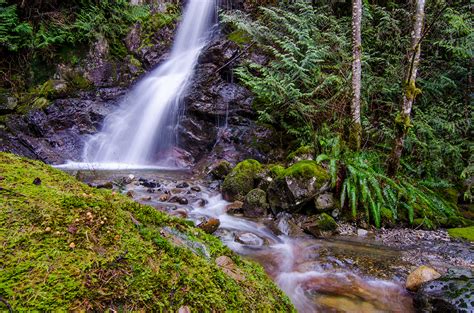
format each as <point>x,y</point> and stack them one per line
<point>420,276</point>
<point>255,203</point>
<point>241,180</point>
<point>300,154</point>
<point>325,202</point>
<point>453,292</point>
<point>320,225</point>
<point>295,186</point>
<point>285,223</point>
<point>210,225</point>
<point>250,239</point>
<point>220,169</point>
<point>234,207</point>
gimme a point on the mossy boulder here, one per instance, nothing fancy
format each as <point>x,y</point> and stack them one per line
<point>322,225</point>
<point>326,222</point>
<point>453,292</point>
<point>466,233</point>
<point>65,246</point>
<point>241,180</point>
<point>255,203</point>
<point>294,186</point>
<point>301,154</point>
<point>220,169</point>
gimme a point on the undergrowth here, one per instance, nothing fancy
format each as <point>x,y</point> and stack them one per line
<point>363,184</point>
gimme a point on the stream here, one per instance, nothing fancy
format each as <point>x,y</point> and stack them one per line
<point>338,274</point>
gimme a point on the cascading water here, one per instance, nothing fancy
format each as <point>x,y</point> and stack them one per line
<point>142,130</point>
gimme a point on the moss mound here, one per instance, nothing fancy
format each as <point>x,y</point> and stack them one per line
<point>326,222</point>
<point>466,233</point>
<point>306,169</point>
<point>66,246</point>
<point>301,151</point>
<point>241,180</point>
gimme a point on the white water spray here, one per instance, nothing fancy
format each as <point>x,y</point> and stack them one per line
<point>142,131</point>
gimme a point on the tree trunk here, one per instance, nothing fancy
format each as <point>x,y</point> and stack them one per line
<point>356,128</point>
<point>403,122</point>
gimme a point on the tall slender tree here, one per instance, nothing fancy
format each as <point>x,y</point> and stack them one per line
<point>403,121</point>
<point>356,128</point>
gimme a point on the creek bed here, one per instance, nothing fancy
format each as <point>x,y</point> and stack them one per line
<point>336,274</point>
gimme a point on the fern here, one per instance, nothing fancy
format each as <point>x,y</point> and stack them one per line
<point>306,76</point>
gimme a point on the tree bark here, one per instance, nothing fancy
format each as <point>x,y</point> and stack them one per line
<point>356,128</point>
<point>403,122</point>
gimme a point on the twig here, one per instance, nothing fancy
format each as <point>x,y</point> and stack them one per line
<point>235,58</point>
<point>119,258</point>
<point>9,307</point>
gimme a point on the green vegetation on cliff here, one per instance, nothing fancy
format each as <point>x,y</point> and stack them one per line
<point>66,246</point>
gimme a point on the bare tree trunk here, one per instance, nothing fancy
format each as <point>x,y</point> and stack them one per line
<point>403,122</point>
<point>356,128</point>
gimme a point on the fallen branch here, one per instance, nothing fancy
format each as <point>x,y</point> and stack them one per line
<point>235,58</point>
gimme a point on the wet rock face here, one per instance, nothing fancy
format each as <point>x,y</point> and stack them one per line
<point>218,116</point>
<point>57,133</point>
<point>453,292</point>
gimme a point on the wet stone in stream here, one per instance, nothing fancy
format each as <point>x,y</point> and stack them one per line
<point>249,239</point>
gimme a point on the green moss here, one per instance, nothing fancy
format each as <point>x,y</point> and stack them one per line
<point>403,122</point>
<point>157,21</point>
<point>221,169</point>
<point>66,246</point>
<point>276,170</point>
<point>326,222</point>
<point>239,37</point>
<point>241,179</point>
<point>256,197</point>
<point>306,169</point>
<point>355,136</point>
<point>463,233</point>
<point>77,81</point>
<point>303,150</point>
<point>411,90</point>
<point>135,62</point>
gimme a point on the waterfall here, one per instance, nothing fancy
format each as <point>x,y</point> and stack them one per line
<point>142,130</point>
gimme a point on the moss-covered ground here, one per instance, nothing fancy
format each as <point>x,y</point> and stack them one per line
<point>67,246</point>
<point>466,233</point>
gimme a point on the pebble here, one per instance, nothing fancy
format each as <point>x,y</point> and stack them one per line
<point>196,188</point>
<point>182,185</point>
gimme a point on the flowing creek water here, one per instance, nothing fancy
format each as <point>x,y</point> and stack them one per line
<point>319,275</point>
